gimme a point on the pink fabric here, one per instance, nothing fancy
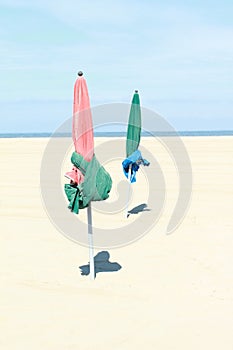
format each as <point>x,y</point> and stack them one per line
<point>82,130</point>
<point>75,175</point>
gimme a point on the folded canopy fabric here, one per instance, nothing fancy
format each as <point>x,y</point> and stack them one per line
<point>132,163</point>
<point>82,129</point>
<point>95,187</point>
<point>133,155</point>
<point>89,180</point>
<point>134,126</point>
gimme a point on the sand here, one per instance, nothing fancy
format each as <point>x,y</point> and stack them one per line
<point>173,291</point>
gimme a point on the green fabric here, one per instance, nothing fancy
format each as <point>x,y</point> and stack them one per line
<point>134,126</point>
<point>95,187</point>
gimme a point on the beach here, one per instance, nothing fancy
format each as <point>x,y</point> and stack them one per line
<point>172,291</point>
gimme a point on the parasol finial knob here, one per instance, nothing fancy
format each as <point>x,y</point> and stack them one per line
<point>136,91</point>
<point>80,73</point>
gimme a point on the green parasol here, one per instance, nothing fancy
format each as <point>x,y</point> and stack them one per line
<point>134,126</point>
<point>133,156</point>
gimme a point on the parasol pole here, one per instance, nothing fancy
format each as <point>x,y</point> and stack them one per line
<point>90,242</point>
<point>129,188</point>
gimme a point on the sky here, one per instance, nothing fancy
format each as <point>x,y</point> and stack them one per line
<point>178,54</point>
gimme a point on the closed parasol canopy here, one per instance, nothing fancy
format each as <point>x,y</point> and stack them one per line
<point>133,156</point>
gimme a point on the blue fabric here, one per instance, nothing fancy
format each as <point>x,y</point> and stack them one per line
<point>134,160</point>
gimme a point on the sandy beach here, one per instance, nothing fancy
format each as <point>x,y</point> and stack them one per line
<point>172,292</point>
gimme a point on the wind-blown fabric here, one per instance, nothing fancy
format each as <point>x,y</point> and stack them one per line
<point>132,163</point>
<point>95,187</point>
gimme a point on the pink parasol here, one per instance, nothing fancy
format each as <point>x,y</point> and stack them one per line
<point>82,128</point>
<point>83,138</point>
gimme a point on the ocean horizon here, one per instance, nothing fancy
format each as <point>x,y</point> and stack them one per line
<point>121,134</point>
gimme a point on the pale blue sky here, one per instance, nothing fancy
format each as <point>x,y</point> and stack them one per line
<point>178,54</point>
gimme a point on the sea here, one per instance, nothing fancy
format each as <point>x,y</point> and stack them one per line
<point>122,134</point>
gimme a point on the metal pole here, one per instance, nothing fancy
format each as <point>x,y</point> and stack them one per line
<point>90,242</point>
<point>128,197</point>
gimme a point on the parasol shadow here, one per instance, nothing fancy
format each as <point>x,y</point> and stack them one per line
<point>138,209</point>
<point>102,264</point>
